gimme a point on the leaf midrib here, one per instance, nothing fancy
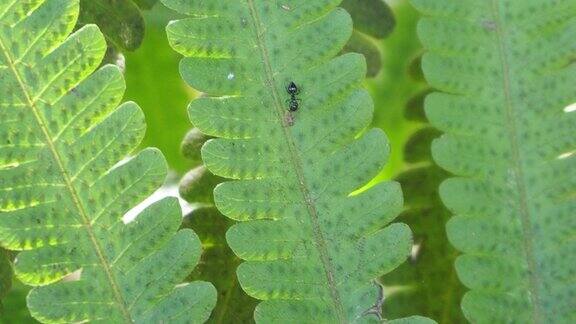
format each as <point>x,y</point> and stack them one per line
<point>69,185</point>
<point>296,164</point>
<point>524,212</point>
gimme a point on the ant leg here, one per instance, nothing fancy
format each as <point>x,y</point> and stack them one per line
<point>299,90</point>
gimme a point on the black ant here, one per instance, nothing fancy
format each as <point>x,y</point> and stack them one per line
<point>294,103</point>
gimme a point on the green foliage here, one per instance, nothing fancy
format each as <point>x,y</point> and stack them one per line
<point>154,83</point>
<point>360,43</point>
<point>427,283</point>
<point>218,265</point>
<point>197,185</point>
<point>505,73</point>
<point>14,306</point>
<point>64,192</point>
<point>414,107</point>
<point>312,250</point>
<point>373,20</point>
<point>395,86</point>
<point>308,218</point>
<point>120,20</point>
<point>192,144</point>
<point>371,17</point>
<point>5,274</point>
<point>145,4</point>
<point>411,320</point>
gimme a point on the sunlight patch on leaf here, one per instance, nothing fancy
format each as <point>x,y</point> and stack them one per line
<point>570,108</point>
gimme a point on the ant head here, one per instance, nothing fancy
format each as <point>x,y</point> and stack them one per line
<point>292,88</point>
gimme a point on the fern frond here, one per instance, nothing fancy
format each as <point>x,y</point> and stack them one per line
<point>506,72</point>
<point>313,250</point>
<point>64,191</point>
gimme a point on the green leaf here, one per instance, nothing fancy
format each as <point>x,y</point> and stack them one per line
<point>14,306</point>
<point>428,282</point>
<point>415,107</point>
<point>120,20</point>
<point>505,74</point>
<point>395,86</point>
<point>415,69</point>
<point>371,17</point>
<point>6,274</point>
<point>64,192</point>
<point>218,265</point>
<point>418,146</point>
<point>373,20</point>
<point>311,249</point>
<point>412,320</point>
<point>192,144</point>
<point>146,4</point>
<point>154,83</point>
<point>359,43</point>
<point>197,185</point>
